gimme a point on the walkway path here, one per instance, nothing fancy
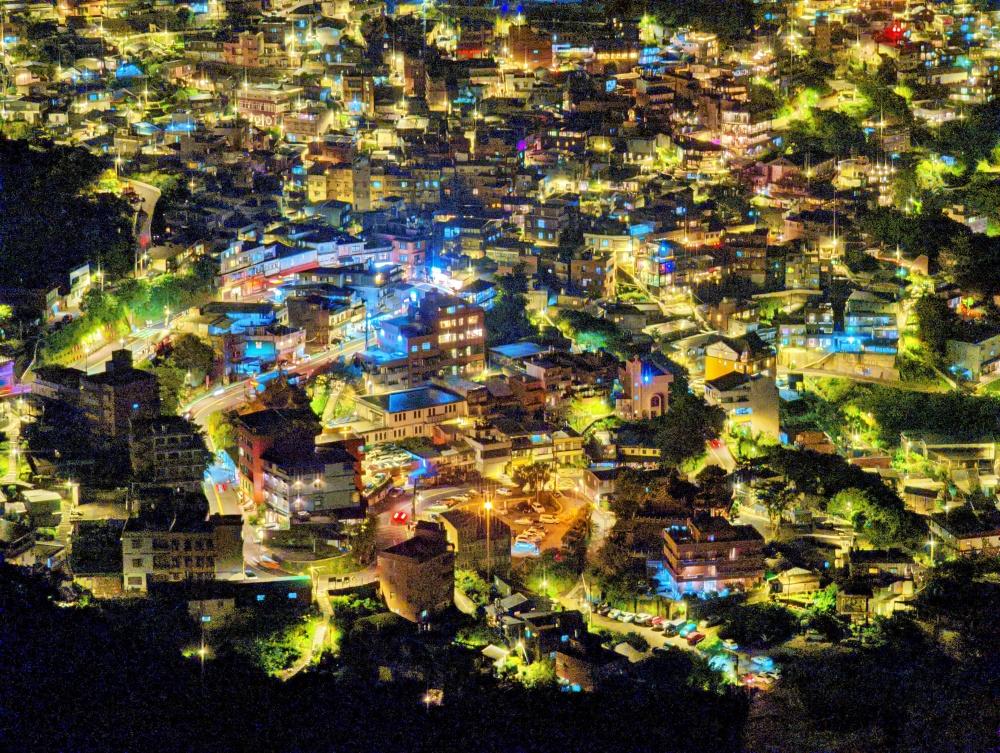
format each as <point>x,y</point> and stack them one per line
<point>315,648</point>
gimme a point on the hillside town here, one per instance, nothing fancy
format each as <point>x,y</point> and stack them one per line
<point>536,376</point>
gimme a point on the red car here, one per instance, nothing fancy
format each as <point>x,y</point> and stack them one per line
<point>399,518</point>
<point>716,443</point>
<point>695,638</point>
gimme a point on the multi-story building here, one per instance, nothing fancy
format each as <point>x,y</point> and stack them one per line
<point>170,548</point>
<point>545,223</point>
<point>645,390</point>
<point>303,481</point>
<point>417,577</point>
<point>446,335</point>
<point>974,359</point>
<point>260,431</point>
<point>745,355</point>
<point>708,554</point>
<point>966,533</point>
<point>168,451</point>
<point>409,413</point>
<point>870,324</point>
<point>467,533</point>
<point>264,107</point>
<point>109,402</point>
<point>593,275</point>
<point>747,401</point>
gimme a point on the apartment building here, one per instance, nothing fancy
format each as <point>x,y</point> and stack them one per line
<point>708,554</point>
<point>445,335</point>
<point>168,451</point>
<point>301,481</point>
<point>748,401</point>
<point>178,547</point>
<point>110,401</point>
<point>260,431</point>
<point>417,577</point>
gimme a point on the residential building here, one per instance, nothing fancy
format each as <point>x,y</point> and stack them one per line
<point>408,413</point>
<point>745,355</point>
<point>975,358</point>
<point>869,324</point>
<point>109,402</point>
<point>708,553</point>
<point>301,482</point>
<point>446,335</point>
<point>748,401</point>
<point>417,576</point>
<point>645,389</point>
<point>168,451</point>
<point>966,533</point>
<point>467,533</point>
<point>258,432</point>
<point>177,547</point>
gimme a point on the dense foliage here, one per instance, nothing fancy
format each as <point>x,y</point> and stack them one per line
<point>49,209</point>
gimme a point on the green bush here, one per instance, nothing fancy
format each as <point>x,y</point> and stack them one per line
<point>760,625</point>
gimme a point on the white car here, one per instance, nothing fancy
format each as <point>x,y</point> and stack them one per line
<point>538,508</point>
<point>642,618</point>
<point>522,522</point>
<point>550,519</point>
<point>504,491</point>
<point>626,617</point>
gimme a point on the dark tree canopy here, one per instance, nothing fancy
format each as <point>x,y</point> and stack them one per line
<point>48,210</point>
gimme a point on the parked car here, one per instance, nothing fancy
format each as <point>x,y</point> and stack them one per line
<point>730,644</point>
<point>537,507</point>
<point>614,613</point>
<point>626,617</point>
<point>643,618</point>
<point>657,621</point>
<point>686,629</point>
<point>695,638</point>
<point>523,522</point>
<point>503,491</point>
<point>668,630</point>
<point>550,519</point>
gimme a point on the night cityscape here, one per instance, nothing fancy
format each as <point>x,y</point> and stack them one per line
<point>500,376</point>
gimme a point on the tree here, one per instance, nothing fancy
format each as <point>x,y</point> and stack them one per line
<point>221,429</point>
<point>364,545</point>
<point>848,503</point>
<point>776,497</point>
<point>681,432</point>
<point>171,381</point>
<point>936,324</point>
<point>760,625</point>
<point>280,393</point>
<point>191,353</point>
<point>534,476</point>
<point>507,322</point>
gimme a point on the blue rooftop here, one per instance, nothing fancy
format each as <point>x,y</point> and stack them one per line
<point>421,397</point>
<point>519,350</point>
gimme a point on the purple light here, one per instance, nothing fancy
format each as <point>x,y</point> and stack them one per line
<point>522,145</point>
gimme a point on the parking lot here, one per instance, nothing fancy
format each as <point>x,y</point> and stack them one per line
<point>751,668</point>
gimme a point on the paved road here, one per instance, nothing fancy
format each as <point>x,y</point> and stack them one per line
<point>149,195</point>
<point>236,394</point>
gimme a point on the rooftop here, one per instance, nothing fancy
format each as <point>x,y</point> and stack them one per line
<point>415,399</point>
